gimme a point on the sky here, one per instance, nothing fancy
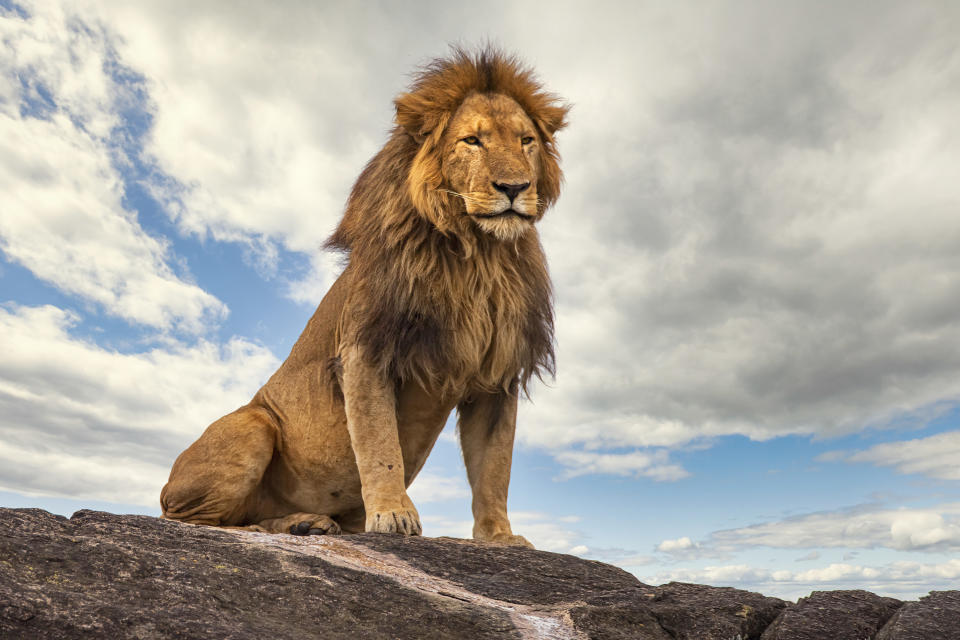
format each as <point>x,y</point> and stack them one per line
<point>756,259</point>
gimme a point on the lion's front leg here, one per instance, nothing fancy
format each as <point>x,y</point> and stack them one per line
<point>370,403</point>
<point>487,426</point>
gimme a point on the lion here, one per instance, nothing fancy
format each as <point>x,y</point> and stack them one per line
<point>445,303</point>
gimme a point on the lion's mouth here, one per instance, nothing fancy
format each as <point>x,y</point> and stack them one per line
<point>503,214</point>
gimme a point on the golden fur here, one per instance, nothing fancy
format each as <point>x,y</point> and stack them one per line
<point>444,303</point>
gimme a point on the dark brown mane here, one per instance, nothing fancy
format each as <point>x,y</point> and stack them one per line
<point>432,298</point>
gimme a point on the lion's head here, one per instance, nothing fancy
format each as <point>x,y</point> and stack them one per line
<point>486,153</point>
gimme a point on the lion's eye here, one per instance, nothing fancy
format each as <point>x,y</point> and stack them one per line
<point>526,140</point>
<point>474,140</point>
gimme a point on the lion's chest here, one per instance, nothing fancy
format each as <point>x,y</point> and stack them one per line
<point>486,341</point>
<point>459,323</point>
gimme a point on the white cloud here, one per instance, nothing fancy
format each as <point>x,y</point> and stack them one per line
<point>731,260</point>
<point>434,488</point>
<point>921,529</point>
<point>437,526</point>
<point>83,421</point>
<point>679,545</point>
<point>655,465</point>
<point>685,549</point>
<point>250,154</point>
<point>935,456</point>
<point>60,190</point>
<point>546,531</point>
<point>112,477</point>
<point>906,529</point>
<point>714,575</point>
<point>324,269</point>
<point>51,52</point>
<point>621,557</point>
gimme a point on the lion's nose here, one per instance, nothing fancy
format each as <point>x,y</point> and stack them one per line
<point>511,190</point>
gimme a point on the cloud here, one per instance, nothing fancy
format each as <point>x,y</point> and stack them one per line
<point>434,488</point>
<point>112,477</point>
<point>621,557</point>
<point>547,531</point>
<point>61,192</point>
<point>741,253</point>
<point>680,544</point>
<point>246,153</point>
<point>865,527</point>
<point>714,575</point>
<point>685,549</point>
<point>83,421</point>
<point>638,464</point>
<point>930,530</point>
<point>437,526</point>
<point>682,547</point>
<point>934,456</point>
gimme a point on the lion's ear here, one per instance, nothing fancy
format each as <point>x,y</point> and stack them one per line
<point>551,118</point>
<point>408,115</point>
<point>415,116</point>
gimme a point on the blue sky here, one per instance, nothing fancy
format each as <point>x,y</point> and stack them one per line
<point>755,259</point>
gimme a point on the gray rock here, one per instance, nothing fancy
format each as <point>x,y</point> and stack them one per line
<point>933,617</point>
<point>105,576</point>
<point>695,612</point>
<point>101,575</point>
<point>838,615</point>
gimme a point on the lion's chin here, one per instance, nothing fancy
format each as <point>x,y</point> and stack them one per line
<point>505,227</point>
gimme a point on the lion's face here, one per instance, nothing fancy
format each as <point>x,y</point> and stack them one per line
<point>490,160</point>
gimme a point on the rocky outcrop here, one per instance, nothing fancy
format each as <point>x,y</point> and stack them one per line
<point>104,575</point>
<point>838,615</point>
<point>934,617</point>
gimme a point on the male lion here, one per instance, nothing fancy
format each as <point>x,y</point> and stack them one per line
<point>445,302</point>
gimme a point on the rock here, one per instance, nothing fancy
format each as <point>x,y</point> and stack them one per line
<point>933,617</point>
<point>839,615</point>
<point>693,611</point>
<point>104,575</point>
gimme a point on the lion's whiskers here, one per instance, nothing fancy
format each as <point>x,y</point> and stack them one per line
<point>457,193</point>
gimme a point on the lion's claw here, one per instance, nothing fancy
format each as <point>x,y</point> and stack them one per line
<point>405,521</point>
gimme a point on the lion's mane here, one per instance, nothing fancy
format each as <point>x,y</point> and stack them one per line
<point>432,297</point>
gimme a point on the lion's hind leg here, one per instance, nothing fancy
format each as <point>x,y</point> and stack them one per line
<point>215,480</point>
<point>300,524</point>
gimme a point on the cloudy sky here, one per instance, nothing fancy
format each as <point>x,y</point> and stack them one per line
<point>756,261</point>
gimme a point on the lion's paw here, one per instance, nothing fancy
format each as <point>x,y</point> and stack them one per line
<point>405,521</point>
<point>318,526</point>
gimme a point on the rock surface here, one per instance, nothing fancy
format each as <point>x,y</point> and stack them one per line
<point>933,617</point>
<point>839,615</point>
<point>104,575</point>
